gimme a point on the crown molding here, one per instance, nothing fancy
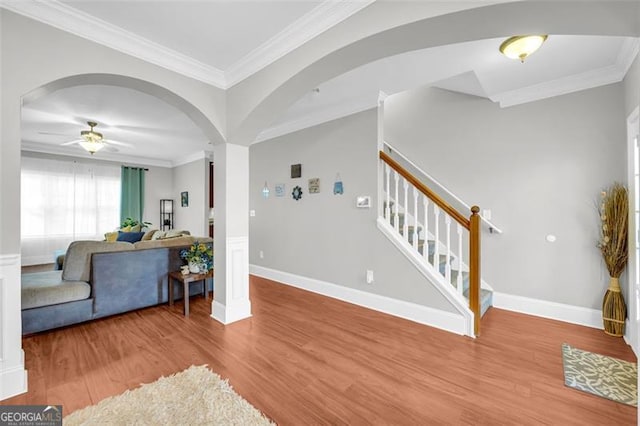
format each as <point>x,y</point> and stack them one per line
<point>74,21</point>
<point>102,155</point>
<point>574,83</point>
<point>190,158</point>
<point>321,18</point>
<point>328,114</point>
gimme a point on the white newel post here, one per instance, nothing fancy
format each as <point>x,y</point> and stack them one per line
<point>231,240</point>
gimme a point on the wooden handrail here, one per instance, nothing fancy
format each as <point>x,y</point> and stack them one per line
<point>426,191</point>
<point>474,268</point>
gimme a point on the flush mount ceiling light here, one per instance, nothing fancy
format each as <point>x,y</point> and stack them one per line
<point>92,140</point>
<point>520,47</point>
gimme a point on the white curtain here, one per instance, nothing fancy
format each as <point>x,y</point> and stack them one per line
<point>63,201</point>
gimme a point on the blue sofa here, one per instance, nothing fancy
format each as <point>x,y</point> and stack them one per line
<point>100,279</point>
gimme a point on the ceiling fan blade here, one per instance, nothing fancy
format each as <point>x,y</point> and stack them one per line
<point>109,148</point>
<point>53,133</point>
<point>70,143</point>
<point>112,142</point>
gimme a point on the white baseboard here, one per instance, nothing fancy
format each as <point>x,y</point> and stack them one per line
<point>448,321</point>
<point>228,314</point>
<point>13,381</point>
<point>546,309</point>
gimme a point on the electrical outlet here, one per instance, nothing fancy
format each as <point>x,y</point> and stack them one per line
<point>252,213</point>
<point>486,214</point>
<point>369,276</point>
<point>261,254</point>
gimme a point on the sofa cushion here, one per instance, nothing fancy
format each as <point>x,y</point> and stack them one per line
<point>148,235</point>
<point>77,262</point>
<point>111,236</point>
<point>48,288</point>
<point>130,237</point>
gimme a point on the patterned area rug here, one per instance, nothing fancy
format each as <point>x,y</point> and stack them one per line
<point>600,375</point>
<point>195,396</point>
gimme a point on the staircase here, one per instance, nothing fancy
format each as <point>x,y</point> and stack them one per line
<point>486,295</point>
<point>431,233</point>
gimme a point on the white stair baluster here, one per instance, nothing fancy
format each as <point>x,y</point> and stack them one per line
<point>396,177</point>
<point>436,234</point>
<point>425,249</point>
<point>459,280</point>
<point>387,208</point>
<point>415,218</point>
<point>447,267</point>
<point>405,227</point>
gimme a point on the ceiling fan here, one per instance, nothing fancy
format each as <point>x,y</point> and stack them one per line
<point>93,141</point>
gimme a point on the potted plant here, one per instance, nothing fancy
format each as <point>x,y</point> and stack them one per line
<point>614,233</point>
<point>199,257</point>
<point>129,223</point>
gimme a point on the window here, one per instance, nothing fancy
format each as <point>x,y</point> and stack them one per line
<point>63,201</point>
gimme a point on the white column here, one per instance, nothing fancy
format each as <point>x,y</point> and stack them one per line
<point>231,240</point>
<point>13,376</point>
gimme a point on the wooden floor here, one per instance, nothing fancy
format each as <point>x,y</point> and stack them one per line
<point>305,359</point>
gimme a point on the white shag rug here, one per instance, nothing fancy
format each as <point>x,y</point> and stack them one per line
<point>195,396</point>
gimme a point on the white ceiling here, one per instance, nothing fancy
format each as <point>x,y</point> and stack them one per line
<point>217,33</point>
<point>227,41</point>
<point>137,127</point>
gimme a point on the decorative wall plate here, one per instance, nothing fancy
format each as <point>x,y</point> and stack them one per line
<point>296,193</point>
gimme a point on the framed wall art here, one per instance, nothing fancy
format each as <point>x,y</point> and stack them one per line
<point>296,171</point>
<point>314,185</point>
<point>184,199</point>
<point>363,202</point>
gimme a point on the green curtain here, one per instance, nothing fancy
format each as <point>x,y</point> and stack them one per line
<point>132,193</point>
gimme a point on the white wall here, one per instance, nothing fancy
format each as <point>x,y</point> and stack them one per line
<point>158,186</point>
<point>194,178</point>
<point>539,167</point>
<point>324,236</point>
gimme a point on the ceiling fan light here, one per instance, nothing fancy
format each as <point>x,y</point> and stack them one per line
<point>91,146</point>
<point>520,47</point>
<point>90,135</point>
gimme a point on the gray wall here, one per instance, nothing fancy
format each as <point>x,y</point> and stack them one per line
<point>632,87</point>
<point>324,236</point>
<point>539,167</point>
<point>192,177</point>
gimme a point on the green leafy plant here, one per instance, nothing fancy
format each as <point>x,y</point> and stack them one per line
<point>129,222</point>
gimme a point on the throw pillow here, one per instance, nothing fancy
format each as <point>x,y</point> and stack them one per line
<point>148,235</point>
<point>136,228</point>
<point>111,237</point>
<point>157,235</point>
<point>130,237</point>
<point>126,229</point>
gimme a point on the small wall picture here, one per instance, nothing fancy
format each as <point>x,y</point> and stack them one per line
<point>296,171</point>
<point>184,199</point>
<point>363,202</point>
<point>279,188</point>
<point>314,185</point>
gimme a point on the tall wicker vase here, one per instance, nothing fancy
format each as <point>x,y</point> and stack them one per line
<point>614,310</point>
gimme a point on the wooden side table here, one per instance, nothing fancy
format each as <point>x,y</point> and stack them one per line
<point>186,280</point>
